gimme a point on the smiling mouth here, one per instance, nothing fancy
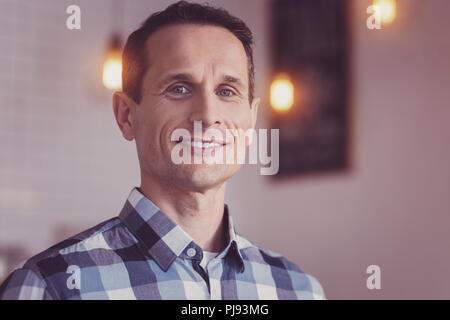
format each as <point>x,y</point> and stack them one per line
<point>201,144</point>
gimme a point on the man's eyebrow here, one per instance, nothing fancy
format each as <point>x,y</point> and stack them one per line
<point>231,79</point>
<point>173,77</point>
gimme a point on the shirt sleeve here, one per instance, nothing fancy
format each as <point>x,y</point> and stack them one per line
<point>24,284</point>
<point>316,289</point>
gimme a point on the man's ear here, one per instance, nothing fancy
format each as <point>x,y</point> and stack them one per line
<point>254,110</point>
<point>125,113</point>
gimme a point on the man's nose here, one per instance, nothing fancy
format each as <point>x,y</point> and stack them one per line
<point>206,108</point>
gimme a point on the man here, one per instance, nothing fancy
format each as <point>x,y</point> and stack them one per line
<point>174,238</point>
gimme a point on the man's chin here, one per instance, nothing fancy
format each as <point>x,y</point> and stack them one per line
<point>204,176</point>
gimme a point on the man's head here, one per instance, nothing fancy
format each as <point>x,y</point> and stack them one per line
<point>135,59</point>
<point>187,63</point>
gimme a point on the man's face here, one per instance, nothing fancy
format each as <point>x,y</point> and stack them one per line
<point>196,73</point>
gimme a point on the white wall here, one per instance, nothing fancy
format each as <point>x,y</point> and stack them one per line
<point>64,164</point>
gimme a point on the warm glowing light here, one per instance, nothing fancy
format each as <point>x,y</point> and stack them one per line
<point>112,72</point>
<point>388,9</point>
<point>281,94</point>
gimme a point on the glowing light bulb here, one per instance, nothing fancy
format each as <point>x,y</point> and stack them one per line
<point>281,94</point>
<point>112,72</point>
<point>388,9</point>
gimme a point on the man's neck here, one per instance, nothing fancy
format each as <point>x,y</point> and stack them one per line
<point>199,214</point>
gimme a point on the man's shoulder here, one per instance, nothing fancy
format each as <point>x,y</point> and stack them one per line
<point>43,275</point>
<point>256,253</point>
<point>75,249</point>
<point>281,268</point>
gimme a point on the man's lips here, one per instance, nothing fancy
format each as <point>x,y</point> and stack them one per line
<point>204,144</point>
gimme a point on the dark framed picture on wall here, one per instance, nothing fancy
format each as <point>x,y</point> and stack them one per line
<point>309,93</point>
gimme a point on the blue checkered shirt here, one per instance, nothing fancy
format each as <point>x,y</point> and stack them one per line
<point>143,254</point>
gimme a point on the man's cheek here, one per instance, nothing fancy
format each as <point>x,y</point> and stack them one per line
<point>245,122</point>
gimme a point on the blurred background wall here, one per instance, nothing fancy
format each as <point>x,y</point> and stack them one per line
<point>64,165</point>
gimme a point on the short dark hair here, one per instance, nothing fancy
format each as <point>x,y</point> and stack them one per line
<point>135,62</point>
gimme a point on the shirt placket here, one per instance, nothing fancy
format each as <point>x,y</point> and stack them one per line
<point>194,253</point>
<point>214,268</point>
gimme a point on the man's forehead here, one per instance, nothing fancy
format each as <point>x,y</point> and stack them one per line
<point>186,46</point>
<point>185,34</point>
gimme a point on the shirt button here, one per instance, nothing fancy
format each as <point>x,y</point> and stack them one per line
<point>191,252</point>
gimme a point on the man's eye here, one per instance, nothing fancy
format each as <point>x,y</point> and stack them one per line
<point>179,90</point>
<point>226,92</point>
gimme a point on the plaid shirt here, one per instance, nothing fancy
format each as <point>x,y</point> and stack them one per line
<point>143,254</point>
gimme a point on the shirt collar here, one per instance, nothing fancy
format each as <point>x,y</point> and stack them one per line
<point>163,239</point>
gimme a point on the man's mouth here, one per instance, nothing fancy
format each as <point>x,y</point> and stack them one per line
<point>203,144</point>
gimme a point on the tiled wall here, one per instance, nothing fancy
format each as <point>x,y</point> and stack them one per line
<point>63,161</point>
